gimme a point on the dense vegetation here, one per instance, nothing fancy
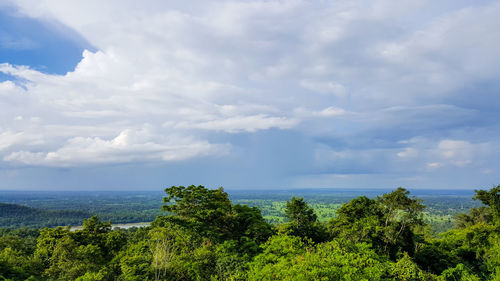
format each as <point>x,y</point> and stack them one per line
<point>71,207</point>
<point>204,236</point>
<point>14,215</point>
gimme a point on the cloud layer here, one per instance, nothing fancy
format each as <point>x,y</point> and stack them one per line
<point>390,93</point>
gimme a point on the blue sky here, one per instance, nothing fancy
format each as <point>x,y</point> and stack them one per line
<point>249,94</point>
<point>43,45</point>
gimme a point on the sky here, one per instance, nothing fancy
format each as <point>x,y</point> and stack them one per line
<point>131,95</point>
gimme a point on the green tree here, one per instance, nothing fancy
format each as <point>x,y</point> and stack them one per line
<point>66,255</point>
<point>170,248</point>
<point>136,263</point>
<point>299,213</point>
<point>302,221</point>
<point>248,222</point>
<point>288,258</point>
<point>47,242</point>
<point>360,220</point>
<point>388,223</point>
<point>434,258</point>
<point>204,210</point>
<point>492,257</point>
<point>210,213</point>
<point>475,215</point>
<point>402,215</point>
<point>491,198</point>
<point>232,261</point>
<point>406,270</point>
<point>470,248</point>
<point>458,273</point>
<point>13,265</point>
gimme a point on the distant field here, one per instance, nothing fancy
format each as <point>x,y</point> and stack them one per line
<point>442,205</point>
<point>49,208</point>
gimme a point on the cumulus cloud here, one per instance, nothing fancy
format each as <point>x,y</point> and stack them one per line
<point>175,81</point>
<point>128,146</point>
<point>462,153</point>
<point>448,153</point>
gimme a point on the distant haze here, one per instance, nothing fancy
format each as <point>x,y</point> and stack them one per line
<point>125,95</point>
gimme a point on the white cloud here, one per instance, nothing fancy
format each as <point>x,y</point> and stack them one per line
<point>462,153</point>
<point>451,51</point>
<point>408,152</point>
<point>448,153</point>
<point>9,138</point>
<point>167,76</point>
<point>330,112</point>
<point>128,146</point>
<point>453,148</point>
<point>240,124</point>
<point>333,88</point>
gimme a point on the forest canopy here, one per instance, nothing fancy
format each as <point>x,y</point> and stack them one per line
<point>202,235</point>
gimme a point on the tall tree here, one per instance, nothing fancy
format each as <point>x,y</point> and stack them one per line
<point>302,221</point>
<point>205,210</point>
<point>388,223</point>
<point>210,213</point>
<point>402,214</point>
<point>490,198</point>
<point>360,220</point>
<point>298,212</point>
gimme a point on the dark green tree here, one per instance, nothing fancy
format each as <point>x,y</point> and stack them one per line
<point>471,249</point>
<point>299,213</point>
<point>387,223</point>
<point>475,216</point>
<point>210,213</point>
<point>248,222</point>
<point>360,220</point>
<point>402,216</point>
<point>302,221</point>
<point>491,198</point>
<point>458,273</point>
<point>204,210</point>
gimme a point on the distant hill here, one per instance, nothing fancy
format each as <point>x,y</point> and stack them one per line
<point>13,216</point>
<point>8,210</point>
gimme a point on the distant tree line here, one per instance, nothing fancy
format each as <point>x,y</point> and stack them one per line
<point>13,216</point>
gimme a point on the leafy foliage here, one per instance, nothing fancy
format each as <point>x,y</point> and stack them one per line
<point>491,198</point>
<point>204,236</point>
<point>388,223</point>
<point>302,221</point>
